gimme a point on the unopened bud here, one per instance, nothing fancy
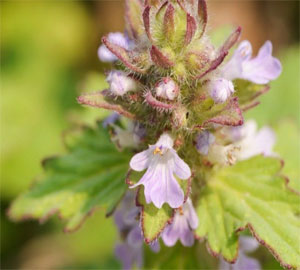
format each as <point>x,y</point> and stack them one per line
<point>120,83</point>
<point>220,89</point>
<point>167,89</point>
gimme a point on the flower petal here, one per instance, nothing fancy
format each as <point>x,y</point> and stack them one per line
<point>264,67</point>
<point>170,236</point>
<point>187,237</point>
<point>191,215</point>
<point>248,244</point>
<point>181,169</point>
<point>140,161</point>
<point>166,189</point>
<point>135,238</point>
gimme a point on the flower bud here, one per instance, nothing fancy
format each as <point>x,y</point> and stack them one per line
<point>167,89</point>
<point>203,142</point>
<point>105,55</point>
<point>220,89</point>
<point>120,83</point>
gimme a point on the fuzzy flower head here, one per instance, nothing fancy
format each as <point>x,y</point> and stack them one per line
<point>261,69</point>
<point>185,221</point>
<point>162,164</point>
<point>120,83</point>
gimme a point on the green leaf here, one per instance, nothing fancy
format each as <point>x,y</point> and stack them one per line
<point>154,220</point>
<point>248,93</point>
<point>288,147</point>
<point>179,257</point>
<point>89,176</point>
<point>250,194</point>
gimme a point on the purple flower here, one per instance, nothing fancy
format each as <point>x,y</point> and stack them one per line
<point>244,262</point>
<point>167,89</point>
<point>260,69</point>
<point>105,55</point>
<point>220,89</point>
<point>203,141</point>
<point>185,221</point>
<point>161,162</point>
<point>120,83</point>
<point>253,142</point>
<point>130,252</point>
<point>111,119</point>
<point>129,137</point>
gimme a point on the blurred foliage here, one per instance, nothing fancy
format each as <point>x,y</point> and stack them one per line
<point>45,52</point>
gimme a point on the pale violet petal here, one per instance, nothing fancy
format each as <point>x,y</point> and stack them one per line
<point>166,188</point>
<point>165,141</point>
<point>105,55</point>
<point>170,236</point>
<point>135,238</point>
<point>191,214</point>
<point>248,244</point>
<point>264,67</point>
<point>187,238</point>
<point>155,247</point>
<point>140,161</point>
<point>181,169</point>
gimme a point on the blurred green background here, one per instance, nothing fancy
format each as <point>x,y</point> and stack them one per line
<point>49,56</point>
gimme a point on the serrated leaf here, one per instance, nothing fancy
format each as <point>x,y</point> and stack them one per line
<point>89,176</point>
<point>252,193</point>
<point>154,220</point>
<point>288,147</point>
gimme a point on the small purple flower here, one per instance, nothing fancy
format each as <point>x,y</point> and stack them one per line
<point>261,69</point>
<point>220,89</point>
<point>130,252</point>
<point>129,137</point>
<point>111,119</point>
<point>185,221</point>
<point>161,162</point>
<point>253,142</point>
<point>244,262</point>
<point>120,83</point>
<point>105,55</point>
<point>167,89</point>
<point>203,141</point>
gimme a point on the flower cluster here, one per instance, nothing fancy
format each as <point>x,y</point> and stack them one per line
<point>187,99</point>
